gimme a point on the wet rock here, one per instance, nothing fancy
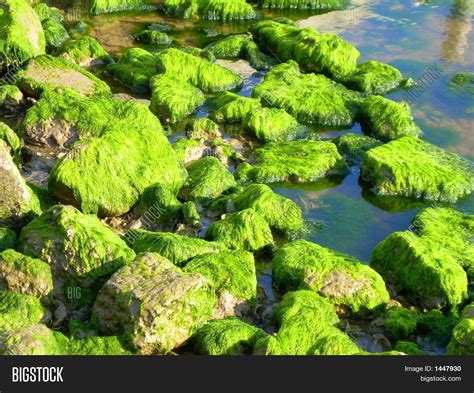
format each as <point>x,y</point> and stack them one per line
<point>154,304</point>
<point>10,98</point>
<point>243,230</point>
<point>224,10</point>
<point>462,342</point>
<point>303,4</point>
<point>7,239</point>
<point>107,6</point>
<point>232,108</point>
<point>310,98</point>
<point>18,310</point>
<point>353,146</point>
<point>374,77</point>
<point>388,120</point>
<point>315,52</point>
<point>436,326</point>
<point>85,52</point>
<point>154,37</point>
<point>22,35</point>
<point>189,150</point>
<point>20,273</point>
<point>342,279</point>
<point>12,141</point>
<point>54,32</point>
<point>229,336</point>
<point>413,168</point>
<point>80,250</point>
<point>204,130</point>
<point>401,323</point>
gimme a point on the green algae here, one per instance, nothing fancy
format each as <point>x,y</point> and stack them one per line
<point>224,10</point>
<point>45,12</point>
<point>12,141</point>
<point>188,150</point>
<point>409,348</point>
<point>303,4</point>
<point>153,37</point>
<point>374,77</point>
<point>232,108</point>
<point>334,342</point>
<point>54,32</point>
<point>437,326</point>
<point>462,342</point>
<point>353,146</point>
<point>204,130</point>
<point>190,213</point>
<point>401,322</point>
<point>18,310</point>
<point>104,346</point>
<point>85,52</point>
<point>106,6</point>
<point>7,239</point>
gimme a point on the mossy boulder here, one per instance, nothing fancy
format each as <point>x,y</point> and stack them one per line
<point>97,346</point>
<point>232,108</point>
<point>20,273</point>
<point>462,342</point>
<point>18,310</point>
<point>18,204</point>
<point>242,230</point>
<point>342,279</point>
<point>190,213</point>
<point>21,35</point>
<point>154,37</point>
<point>421,269</point>
<point>229,336</point>
<point>178,249</point>
<point>315,52</point>
<point>409,348</point>
<point>274,125</point>
<point>80,250</point>
<point>414,168</point>
<point>208,178</point>
<point>85,52</point>
<point>310,98</point>
<point>437,326</point>
<point>400,322</point>
<point>7,239</point>
<point>55,33</point>
<point>11,98</point>
<point>334,342</point>
<point>45,12</point>
<point>353,146</point>
<point>134,69</point>
<point>303,4</point>
<point>374,77</point>
<point>12,142</point>
<point>153,304</point>
<point>296,161</point>
<point>189,150</point>
<point>204,130</point>
<point>197,71</point>
<point>387,119</point>
<point>172,98</point>
<point>107,6</point>
<point>46,72</point>
<point>224,10</point>
<point>233,275</point>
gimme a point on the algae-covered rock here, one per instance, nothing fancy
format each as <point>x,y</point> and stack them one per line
<point>437,326</point>
<point>409,348</point>
<point>229,336</point>
<point>315,52</point>
<point>334,342</point>
<point>197,71</point>
<point>463,82</point>
<point>44,12</point>
<point>54,32</point>
<point>78,247</point>
<point>178,249</point>
<point>414,168</point>
<point>107,6</point>
<point>303,4</point>
<point>12,141</point>
<point>462,342</point>
<point>189,150</point>
<point>33,339</point>
<point>46,72</point>
<point>275,125</point>
<point>18,310</point>
<point>190,213</point>
<point>342,279</point>
<point>232,108</point>
<point>421,269</point>
<point>18,204</point>
<point>353,146</point>
<point>242,230</point>
<point>401,322</point>
<point>103,346</point>
<point>387,119</point>
<point>224,10</point>
<point>310,98</point>
<point>296,161</point>
<point>21,35</point>
<point>172,98</point>
<point>208,178</point>
<point>7,239</point>
<point>20,273</point>
<point>154,304</point>
<point>10,98</point>
<point>85,52</point>
<point>374,77</point>
<point>154,37</point>
<point>204,130</point>
<point>134,69</point>
<point>232,273</point>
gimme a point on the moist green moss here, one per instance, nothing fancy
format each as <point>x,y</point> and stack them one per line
<point>204,130</point>
<point>44,12</point>
<point>315,52</point>
<point>413,168</point>
<point>107,6</point>
<point>462,342</point>
<point>232,108</point>
<point>7,239</point>
<point>388,120</point>
<point>10,98</point>
<point>188,150</point>
<point>243,230</point>
<point>342,279</point>
<point>20,273</point>
<point>401,323</point>
<point>374,77</point>
<point>436,326</point>
<point>178,249</point>
<point>310,98</point>
<point>334,342</point>
<point>229,271</point>
<point>18,310</point>
<point>208,178</point>
<point>303,4</point>
<point>409,348</point>
<point>172,99</point>
<point>296,161</point>
<point>85,52</point>
<point>54,32</point>
<point>353,146</point>
<point>229,336</point>
<point>12,141</point>
<point>97,346</point>
<point>197,71</point>
<point>153,37</point>
<point>224,10</point>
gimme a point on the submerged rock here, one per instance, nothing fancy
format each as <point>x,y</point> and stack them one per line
<point>297,162</point>
<point>242,230</point>
<point>47,72</point>
<point>388,120</point>
<point>23,274</point>
<point>342,279</point>
<point>229,336</point>
<point>414,168</point>
<point>154,37</point>
<point>154,304</point>
<point>85,52</point>
<point>18,310</point>
<point>232,108</point>
<point>315,52</point>
<point>78,247</point>
<point>21,36</point>
<point>374,77</point>
<point>462,342</point>
<point>353,146</point>
<point>310,98</point>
